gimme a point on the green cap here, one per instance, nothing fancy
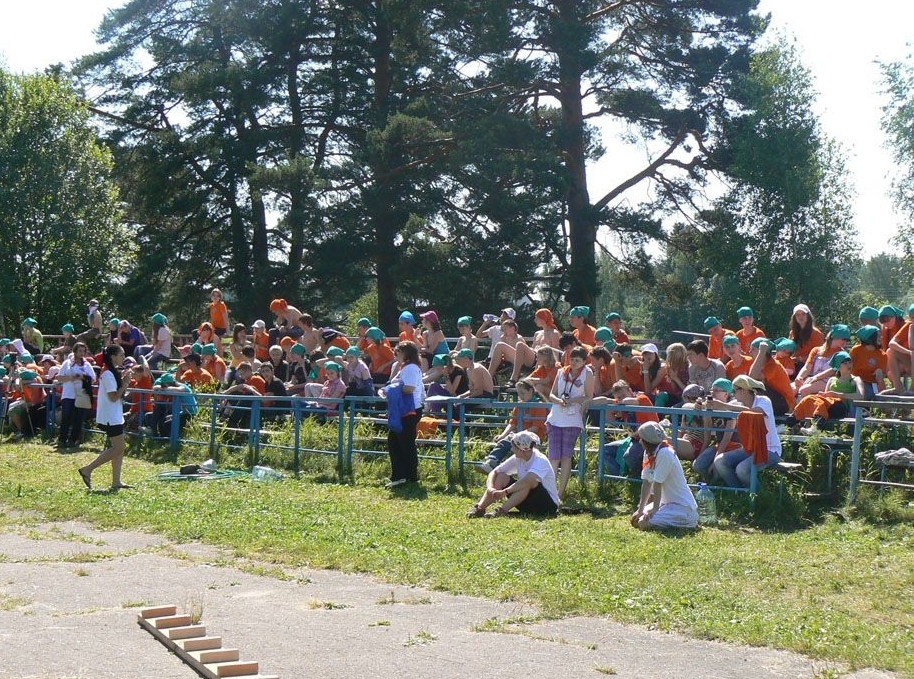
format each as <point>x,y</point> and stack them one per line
<point>711,321</point>
<point>159,319</point>
<point>744,311</point>
<point>374,333</point>
<point>603,333</point>
<point>464,320</point>
<point>2,371</point>
<point>840,331</point>
<point>785,344</point>
<point>4,341</point>
<point>67,327</point>
<point>582,311</point>
<point>868,313</point>
<point>333,365</point>
<point>335,351</point>
<point>730,339</point>
<point>723,383</point>
<point>466,353</point>
<point>28,374</point>
<point>364,322</point>
<point>838,359</point>
<point>30,321</point>
<point>197,348</point>
<point>114,321</point>
<point>351,351</point>
<point>299,349</point>
<point>867,333</point>
<point>7,359</point>
<point>439,360</point>
<point>26,358</point>
<point>887,310</point>
<point>165,379</point>
<point>208,350</point>
<point>612,316</point>
<point>763,341</point>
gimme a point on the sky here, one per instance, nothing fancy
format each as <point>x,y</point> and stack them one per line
<point>838,40</point>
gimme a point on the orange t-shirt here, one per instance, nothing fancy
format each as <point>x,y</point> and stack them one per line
<point>534,420</point>
<point>541,372</point>
<point>217,368</point>
<point>258,383</point>
<point>741,369</point>
<point>144,382</point>
<point>790,367</point>
<point>197,379</point>
<point>777,379</point>
<point>218,315</point>
<point>641,418</point>
<point>746,336</point>
<point>816,339</point>
<point>901,337</point>
<point>262,346</point>
<point>866,361</point>
<point>606,376</point>
<point>631,373</point>
<point>340,342</point>
<point>586,334</point>
<point>33,395</point>
<point>380,354</point>
<point>716,345</point>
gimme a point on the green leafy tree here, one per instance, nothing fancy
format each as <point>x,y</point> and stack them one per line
<point>61,241</point>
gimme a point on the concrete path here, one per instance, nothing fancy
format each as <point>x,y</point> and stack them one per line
<point>69,596</point>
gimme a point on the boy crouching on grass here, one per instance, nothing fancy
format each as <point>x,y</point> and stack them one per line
<point>525,481</point>
<point>534,420</point>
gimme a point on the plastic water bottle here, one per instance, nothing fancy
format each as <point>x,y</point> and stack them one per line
<point>209,465</point>
<point>261,473</point>
<point>707,505</point>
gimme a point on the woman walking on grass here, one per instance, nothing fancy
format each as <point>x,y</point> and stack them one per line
<point>109,416</point>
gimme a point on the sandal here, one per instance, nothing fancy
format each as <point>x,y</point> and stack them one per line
<point>476,512</point>
<point>496,513</point>
<point>122,486</point>
<point>86,477</point>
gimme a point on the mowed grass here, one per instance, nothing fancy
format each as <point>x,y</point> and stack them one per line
<point>840,590</point>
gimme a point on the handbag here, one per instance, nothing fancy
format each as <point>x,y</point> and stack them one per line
<point>83,400</point>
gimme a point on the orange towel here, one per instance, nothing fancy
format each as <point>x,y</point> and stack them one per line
<point>752,432</point>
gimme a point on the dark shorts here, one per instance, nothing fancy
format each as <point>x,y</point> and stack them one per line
<point>221,332</point>
<point>112,430</point>
<point>538,503</point>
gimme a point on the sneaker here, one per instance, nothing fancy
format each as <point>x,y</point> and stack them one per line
<point>476,512</point>
<point>782,429</point>
<point>495,513</point>
<point>809,431</point>
<point>394,484</point>
<point>483,467</point>
<point>510,384</point>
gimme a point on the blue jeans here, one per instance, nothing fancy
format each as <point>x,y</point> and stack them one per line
<point>498,454</point>
<point>71,421</point>
<point>735,467</point>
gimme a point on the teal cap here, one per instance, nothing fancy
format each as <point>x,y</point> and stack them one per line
<point>730,339</point>
<point>28,374</point>
<point>612,316</point>
<point>351,351</point>
<point>26,358</point>
<point>603,333</point>
<point>785,344</point>
<point>208,350</point>
<point>114,321</point>
<point>838,359</point>
<point>464,320</point>
<point>299,349</point>
<point>197,348</point>
<point>868,313</point>
<point>582,311</point>
<point>840,331</point>
<point>465,353</point>
<point>333,365</point>
<point>887,310</point>
<point>407,317</point>
<point>439,360</point>
<point>335,351</point>
<point>159,319</point>
<point>30,322</point>
<point>711,321</point>
<point>867,333</point>
<point>165,379</point>
<point>363,322</point>
<point>67,327</point>
<point>374,333</point>
<point>759,341</point>
<point>744,311</point>
<point>723,383</point>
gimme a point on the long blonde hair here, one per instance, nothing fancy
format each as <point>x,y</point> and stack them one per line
<point>676,357</point>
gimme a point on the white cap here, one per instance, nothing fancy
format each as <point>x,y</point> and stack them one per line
<point>259,324</point>
<point>651,347</point>
<point>509,312</point>
<point>801,307</point>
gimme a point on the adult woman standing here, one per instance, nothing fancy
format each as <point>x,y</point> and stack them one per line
<point>77,377</point>
<point>404,459</point>
<point>109,415</point>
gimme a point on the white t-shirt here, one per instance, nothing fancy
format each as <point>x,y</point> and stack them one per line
<point>572,386</point>
<point>494,334</point>
<point>538,465</point>
<point>108,411</point>
<point>163,342</point>
<point>72,369</point>
<point>411,375</point>
<point>667,471</point>
<point>771,438</point>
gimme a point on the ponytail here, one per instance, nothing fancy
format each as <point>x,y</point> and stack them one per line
<point>107,353</point>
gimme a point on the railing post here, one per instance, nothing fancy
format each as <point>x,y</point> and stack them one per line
<point>254,431</point>
<point>174,434</point>
<point>855,457</point>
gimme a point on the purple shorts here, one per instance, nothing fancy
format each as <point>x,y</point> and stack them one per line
<point>562,441</point>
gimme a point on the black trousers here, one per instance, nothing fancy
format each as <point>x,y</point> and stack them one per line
<point>404,460</point>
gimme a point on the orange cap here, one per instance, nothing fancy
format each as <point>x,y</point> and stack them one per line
<point>278,305</point>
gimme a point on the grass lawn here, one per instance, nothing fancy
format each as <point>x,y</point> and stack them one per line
<point>839,590</point>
